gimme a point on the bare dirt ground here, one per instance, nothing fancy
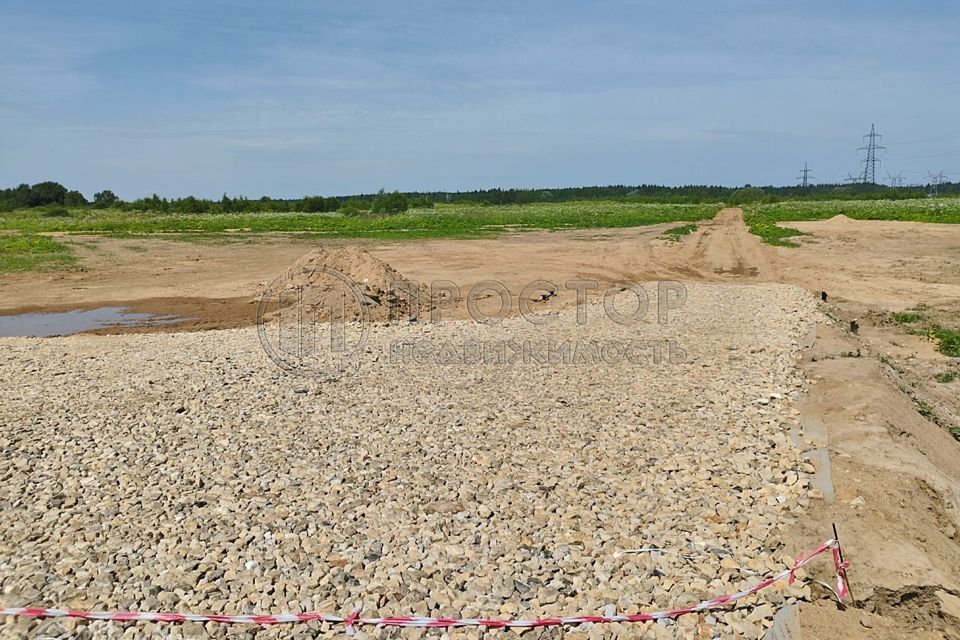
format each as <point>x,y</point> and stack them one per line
<point>218,283</point>
<point>865,266</point>
<point>215,285</point>
<point>896,473</point>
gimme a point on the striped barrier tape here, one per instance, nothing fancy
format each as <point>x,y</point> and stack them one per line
<point>355,620</point>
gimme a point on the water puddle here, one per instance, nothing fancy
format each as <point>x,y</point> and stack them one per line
<point>64,323</point>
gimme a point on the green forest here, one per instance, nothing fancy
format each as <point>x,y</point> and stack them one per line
<point>53,195</point>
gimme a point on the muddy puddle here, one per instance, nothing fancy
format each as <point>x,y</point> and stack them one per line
<point>64,323</point>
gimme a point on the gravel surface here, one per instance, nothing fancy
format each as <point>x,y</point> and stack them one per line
<point>187,472</point>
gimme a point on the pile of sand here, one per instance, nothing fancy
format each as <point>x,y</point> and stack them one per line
<point>841,220</point>
<point>370,273</point>
<point>348,284</point>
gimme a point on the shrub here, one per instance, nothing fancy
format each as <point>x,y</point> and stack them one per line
<point>105,199</point>
<point>748,195</point>
<point>54,211</point>
<point>394,202</point>
<point>74,199</point>
<point>315,204</point>
<point>49,192</point>
<point>353,206</point>
<point>191,204</point>
<point>421,203</point>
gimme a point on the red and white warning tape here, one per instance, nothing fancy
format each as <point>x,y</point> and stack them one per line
<point>355,620</point>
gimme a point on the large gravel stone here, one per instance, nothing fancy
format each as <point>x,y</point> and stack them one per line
<point>186,472</point>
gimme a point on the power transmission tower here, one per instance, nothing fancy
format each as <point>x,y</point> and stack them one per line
<point>936,179</point>
<point>895,181</point>
<point>805,177</point>
<point>851,179</point>
<point>869,175</point>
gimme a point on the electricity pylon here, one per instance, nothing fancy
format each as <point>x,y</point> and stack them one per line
<point>895,181</point>
<point>804,176</point>
<point>936,179</point>
<point>869,175</point>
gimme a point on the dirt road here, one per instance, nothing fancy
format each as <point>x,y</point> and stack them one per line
<point>213,284</point>
<point>865,265</point>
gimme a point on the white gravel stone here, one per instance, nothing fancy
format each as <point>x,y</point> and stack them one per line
<point>187,472</point>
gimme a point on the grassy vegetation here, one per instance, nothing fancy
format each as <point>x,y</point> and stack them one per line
<point>946,377</point>
<point>924,409</point>
<point>927,412</point>
<point>23,252</point>
<point>948,340</point>
<point>772,234</point>
<point>763,218</point>
<point>55,212</point>
<point>467,219</point>
<point>946,210</point>
<point>444,220</point>
<point>908,317</point>
<point>441,221</point>
<point>678,232</point>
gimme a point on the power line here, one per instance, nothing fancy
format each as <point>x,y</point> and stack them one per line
<point>869,175</point>
<point>936,179</point>
<point>945,154</point>
<point>945,136</point>
<point>805,177</point>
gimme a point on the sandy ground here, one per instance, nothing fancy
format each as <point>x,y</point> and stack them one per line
<point>895,473</point>
<point>215,285</point>
<point>867,265</point>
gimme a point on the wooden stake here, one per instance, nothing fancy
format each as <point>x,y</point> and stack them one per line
<point>843,572</point>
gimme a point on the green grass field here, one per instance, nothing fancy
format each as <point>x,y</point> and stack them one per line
<point>30,252</point>
<point>24,249</point>
<point>442,221</point>
<point>946,210</point>
<point>763,218</point>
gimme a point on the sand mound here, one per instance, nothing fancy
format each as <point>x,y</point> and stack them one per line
<point>345,284</point>
<point>841,219</point>
<point>371,274</point>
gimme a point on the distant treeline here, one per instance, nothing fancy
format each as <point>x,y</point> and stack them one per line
<point>53,194</point>
<point>692,194</point>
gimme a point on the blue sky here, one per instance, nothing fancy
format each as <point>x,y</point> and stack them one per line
<point>300,97</point>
